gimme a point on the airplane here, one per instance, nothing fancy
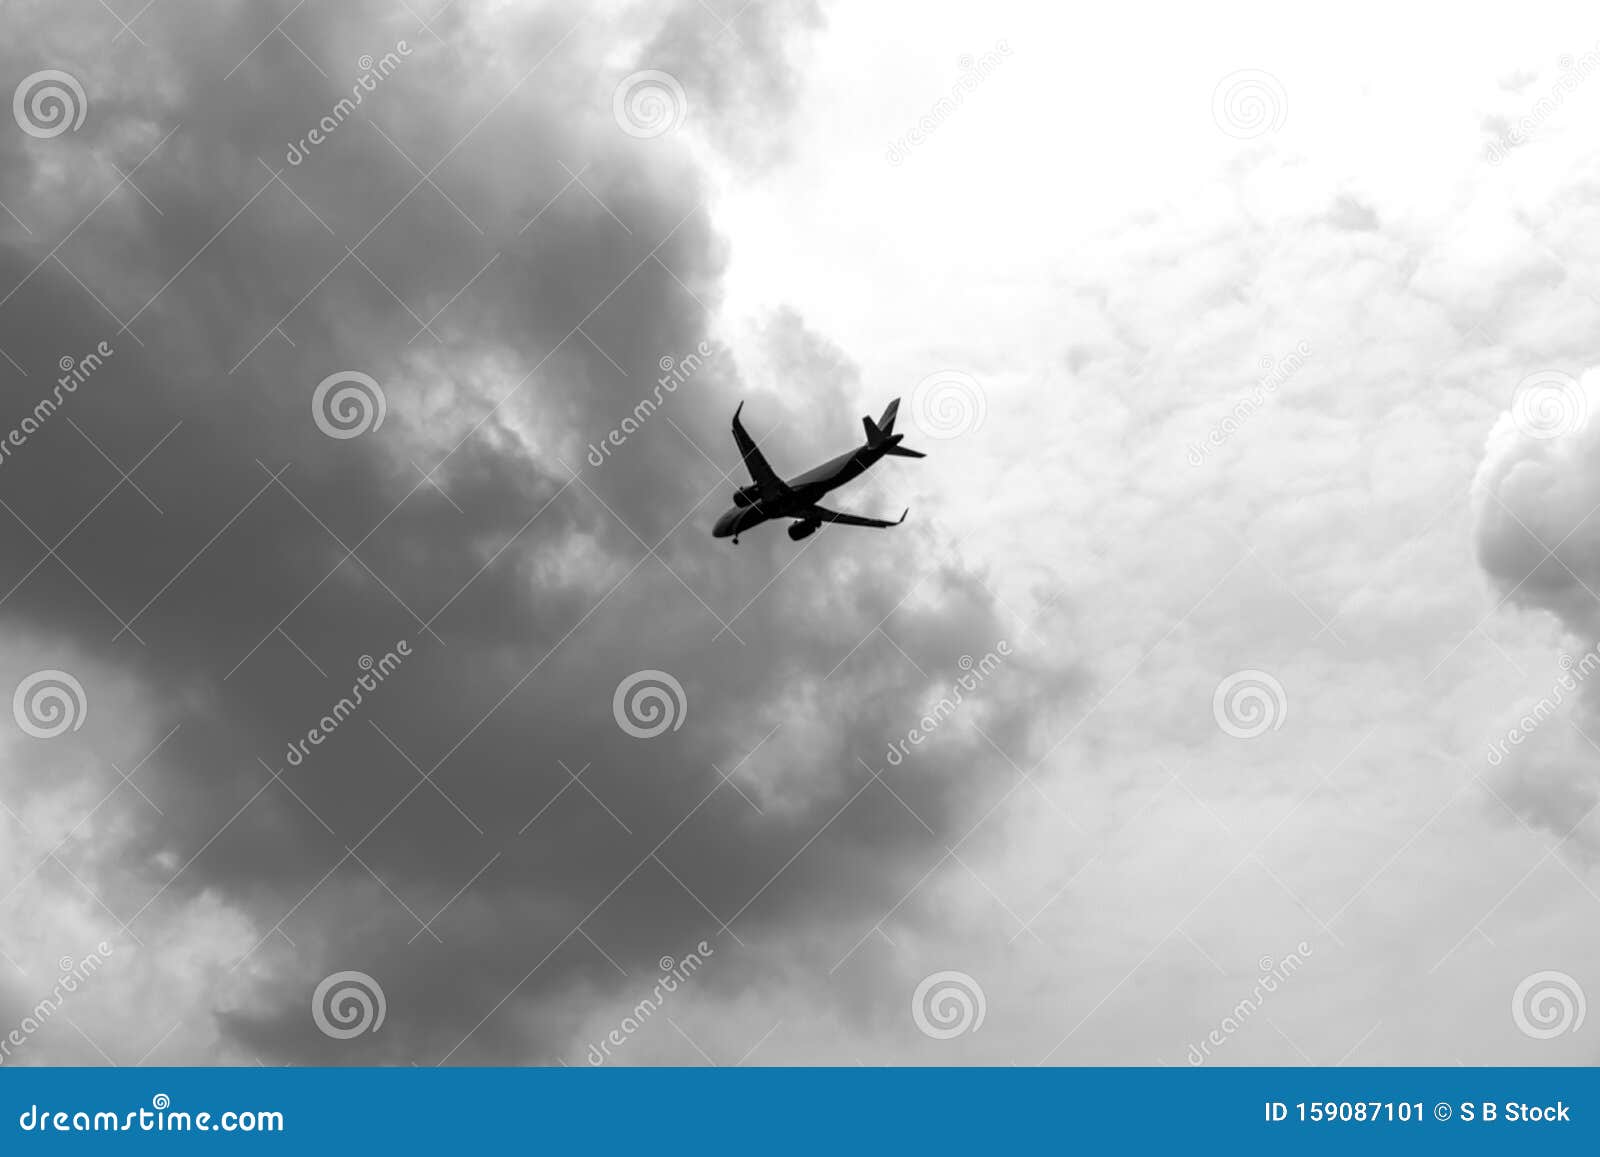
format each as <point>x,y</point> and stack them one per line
<point>769,497</point>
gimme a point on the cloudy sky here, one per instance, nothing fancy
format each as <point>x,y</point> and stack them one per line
<point>1254,554</point>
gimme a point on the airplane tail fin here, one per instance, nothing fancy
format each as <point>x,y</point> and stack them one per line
<point>881,435</point>
<point>886,423</point>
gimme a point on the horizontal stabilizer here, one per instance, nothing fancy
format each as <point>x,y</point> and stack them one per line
<point>880,431</point>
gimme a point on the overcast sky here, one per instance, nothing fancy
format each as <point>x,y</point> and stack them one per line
<point>1253,559</point>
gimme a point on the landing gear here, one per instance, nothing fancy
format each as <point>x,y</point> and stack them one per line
<point>736,540</point>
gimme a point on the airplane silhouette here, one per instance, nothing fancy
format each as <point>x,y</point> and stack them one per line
<point>769,497</point>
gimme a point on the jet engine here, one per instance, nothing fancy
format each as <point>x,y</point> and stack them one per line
<point>745,496</point>
<point>799,530</point>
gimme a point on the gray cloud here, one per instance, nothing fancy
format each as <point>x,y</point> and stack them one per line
<point>1536,491</point>
<point>230,587</point>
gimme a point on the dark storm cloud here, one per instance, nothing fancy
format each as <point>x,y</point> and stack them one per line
<point>514,304</point>
<point>727,62</point>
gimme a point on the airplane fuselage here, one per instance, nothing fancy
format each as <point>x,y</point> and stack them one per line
<point>807,490</point>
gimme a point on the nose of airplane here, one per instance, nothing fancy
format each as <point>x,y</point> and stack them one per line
<point>724,526</point>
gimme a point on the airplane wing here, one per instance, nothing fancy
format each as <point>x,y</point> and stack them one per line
<point>755,462</point>
<point>823,514</point>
